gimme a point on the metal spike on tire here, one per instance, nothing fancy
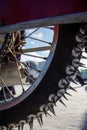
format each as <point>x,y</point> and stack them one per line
<point>21,123</point>
<point>72,80</point>
<point>62,102</point>
<point>54,100</point>
<point>69,78</point>
<point>44,108</point>
<point>40,120</point>
<point>65,97</point>
<point>76,63</point>
<point>31,124</point>
<point>72,88</point>
<point>30,120</point>
<point>82,65</point>
<point>22,126</point>
<point>19,127</point>
<point>51,108</point>
<point>68,94</point>
<point>46,113</point>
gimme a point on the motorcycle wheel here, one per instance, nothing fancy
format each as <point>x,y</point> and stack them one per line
<point>52,83</point>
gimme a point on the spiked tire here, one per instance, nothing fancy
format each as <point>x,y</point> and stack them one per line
<point>53,86</point>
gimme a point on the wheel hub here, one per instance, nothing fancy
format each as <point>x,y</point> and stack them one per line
<point>9,73</point>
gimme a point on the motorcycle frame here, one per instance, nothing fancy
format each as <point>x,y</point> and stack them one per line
<point>22,14</point>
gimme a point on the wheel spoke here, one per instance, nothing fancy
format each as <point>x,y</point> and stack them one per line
<point>20,77</point>
<point>45,58</point>
<point>40,40</point>
<point>45,48</point>
<point>6,88</point>
<point>35,69</point>
<point>17,69</point>
<point>32,32</point>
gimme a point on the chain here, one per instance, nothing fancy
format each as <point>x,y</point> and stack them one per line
<point>7,43</point>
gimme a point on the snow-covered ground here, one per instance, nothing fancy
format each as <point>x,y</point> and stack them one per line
<point>72,117</point>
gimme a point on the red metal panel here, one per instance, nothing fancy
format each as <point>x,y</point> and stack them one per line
<point>13,11</point>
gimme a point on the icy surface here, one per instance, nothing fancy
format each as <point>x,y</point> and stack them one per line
<point>72,117</point>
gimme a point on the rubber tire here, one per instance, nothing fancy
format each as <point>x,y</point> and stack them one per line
<point>49,85</point>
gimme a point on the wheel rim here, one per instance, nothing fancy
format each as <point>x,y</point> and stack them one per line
<point>10,102</point>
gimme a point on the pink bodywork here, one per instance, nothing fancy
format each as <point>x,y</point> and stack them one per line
<point>15,11</point>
